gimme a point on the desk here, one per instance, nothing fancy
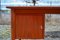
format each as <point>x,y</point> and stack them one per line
<point>29,22</point>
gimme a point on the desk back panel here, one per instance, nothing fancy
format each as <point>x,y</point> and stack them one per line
<point>29,26</point>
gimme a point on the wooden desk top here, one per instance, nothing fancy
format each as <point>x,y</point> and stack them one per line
<point>34,7</point>
<point>45,9</point>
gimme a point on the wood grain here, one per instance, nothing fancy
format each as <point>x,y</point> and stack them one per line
<point>29,26</point>
<point>26,21</point>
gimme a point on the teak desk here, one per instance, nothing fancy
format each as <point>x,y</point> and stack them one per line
<point>29,22</point>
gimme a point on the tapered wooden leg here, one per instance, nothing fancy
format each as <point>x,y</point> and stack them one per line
<point>19,39</point>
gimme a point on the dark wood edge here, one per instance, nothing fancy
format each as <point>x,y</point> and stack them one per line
<point>33,7</point>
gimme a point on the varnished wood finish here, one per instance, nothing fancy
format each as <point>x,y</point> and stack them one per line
<point>36,9</point>
<point>13,25</point>
<point>27,21</point>
<point>29,26</point>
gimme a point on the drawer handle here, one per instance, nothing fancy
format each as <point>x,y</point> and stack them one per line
<point>41,27</point>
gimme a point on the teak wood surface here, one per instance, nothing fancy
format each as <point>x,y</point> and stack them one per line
<point>29,22</point>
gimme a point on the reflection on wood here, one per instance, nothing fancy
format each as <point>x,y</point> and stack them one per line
<point>4,17</point>
<point>52,22</point>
